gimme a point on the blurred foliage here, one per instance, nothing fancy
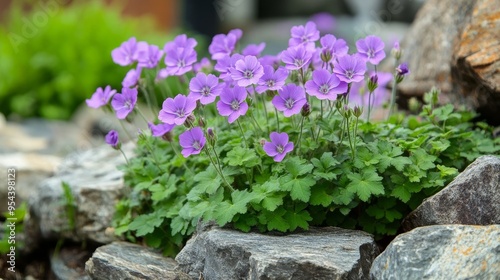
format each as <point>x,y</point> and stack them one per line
<point>52,58</point>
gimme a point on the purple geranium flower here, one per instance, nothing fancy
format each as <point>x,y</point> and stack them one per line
<point>403,69</point>
<point>253,49</point>
<point>271,60</point>
<point>223,45</point>
<point>123,103</point>
<point>158,130</point>
<point>205,88</point>
<point>100,97</point>
<point>148,56</point>
<point>272,80</point>
<point>290,100</point>
<point>296,57</point>
<point>350,68</point>
<point>132,77</point>
<point>247,71</point>
<point>333,47</point>
<point>325,85</point>
<point>192,141</point>
<point>176,110</point>
<point>125,54</point>
<point>304,35</point>
<point>180,60</point>
<point>371,48</point>
<point>112,139</point>
<point>225,64</point>
<point>232,103</point>
<point>278,147</point>
<point>324,21</point>
<point>181,41</point>
<point>204,64</point>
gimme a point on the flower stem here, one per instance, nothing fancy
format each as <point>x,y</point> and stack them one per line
<point>265,110</point>
<point>125,156</point>
<point>300,135</point>
<point>369,105</point>
<point>242,133</point>
<point>277,119</point>
<point>219,171</point>
<point>393,98</point>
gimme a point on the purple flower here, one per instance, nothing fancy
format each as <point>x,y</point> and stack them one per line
<point>181,41</point>
<point>132,77</point>
<point>223,45</point>
<point>333,47</point>
<point>204,64</point>
<point>278,147</point>
<point>350,68</point>
<point>325,85</point>
<point>204,88</point>
<point>272,80</point>
<point>324,21</point>
<point>100,97</point>
<point>371,48</point>
<point>403,69</point>
<point>123,103</point>
<point>180,60</point>
<point>232,103</point>
<point>158,130</point>
<point>358,95</point>
<point>225,64</point>
<point>295,57</point>
<point>176,110</point>
<point>290,100</point>
<point>125,54</point>
<point>148,56</point>
<point>247,71</point>
<point>112,139</point>
<point>253,49</point>
<point>304,35</point>
<point>271,60</point>
<point>192,141</point>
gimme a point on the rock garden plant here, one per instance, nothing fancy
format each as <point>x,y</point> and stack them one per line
<point>279,142</point>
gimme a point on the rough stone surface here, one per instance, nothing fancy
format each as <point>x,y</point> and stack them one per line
<point>122,260</point>
<point>472,198</point>
<point>326,253</point>
<point>441,252</point>
<point>96,187</point>
<point>454,45</point>
<point>69,263</point>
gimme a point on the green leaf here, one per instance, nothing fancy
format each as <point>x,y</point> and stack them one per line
<point>299,188</point>
<point>319,196</point>
<point>365,158</point>
<point>145,224</point>
<point>324,165</point>
<point>342,196</point>
<point>240,156</point>
<point>401,193</point>
<point>298,219</point>
<point>226,210</point>
<point>297,167</point>
<point>209,179</point>
<point>447,171</point>
<point>365,184</point>
<point>274,220</point>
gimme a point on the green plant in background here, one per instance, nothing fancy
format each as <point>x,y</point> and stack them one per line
<point>49,67</point>
<point>6,242</point>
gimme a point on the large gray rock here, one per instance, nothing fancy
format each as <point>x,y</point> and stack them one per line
<point>472,198</point>
<point>320,253</point>
<point>122,260</point>
<point>441,252</point>
<point>96,186</point>
<point>69,263</point>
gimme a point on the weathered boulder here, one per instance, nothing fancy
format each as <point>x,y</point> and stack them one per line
<point>472,198</point>
<point>441,252</point>
<point>96,186</point>
<point>454,45</point>
<point>319,253</point>
<point>69,263</point>
<point>122,260</point>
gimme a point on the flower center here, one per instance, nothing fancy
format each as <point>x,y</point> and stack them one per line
<point>270,83</point>
<point>371,53</point>
<point>181,63</point>
<point>205,91</point>
<point>235,105</point>
<point>289,103</point>
<point>180,113</point>
<point>349,74</point>
<point>324,89</point>
<point>280,149</point>
<point>248,74</point>
<point>196,145</point>
<point>128,104</point>
<point>299,62</point>
<point>304,38</point>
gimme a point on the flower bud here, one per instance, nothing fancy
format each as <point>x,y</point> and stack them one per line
<point>326,55</point>
<point>372,83</point>
<point>338,103</point>
<point>189,121</point>
<point>396,51</point>
<point>306,110</point>
<point>357,111</point>
<point>201,122</point>
<point>413,105</point>
<point>401,71</point>
<point>211,136</point>
<point>167,137</point>
<point>262,142</point>
<point>347,112</point>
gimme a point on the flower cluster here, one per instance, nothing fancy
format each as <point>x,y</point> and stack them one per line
<point>315,76</point>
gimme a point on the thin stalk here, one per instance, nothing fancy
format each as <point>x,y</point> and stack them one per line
<point>219,171</point>
<point>242,133</point>
<point>178,155</point>
<point>300,135</point>
<point>265,110</point>
<point>277,119</point>
<point>393,98</point>
<point>125,156</point>
<point>141,114</point>
<point>369,105</point>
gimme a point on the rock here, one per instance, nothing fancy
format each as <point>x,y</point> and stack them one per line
<point>69,263</point>
<point>122,260</point>
<point>453,45</point>
<point>320,253</point>
<point>472,198</point>
<point>96,186</point>
<point>441,252</point>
